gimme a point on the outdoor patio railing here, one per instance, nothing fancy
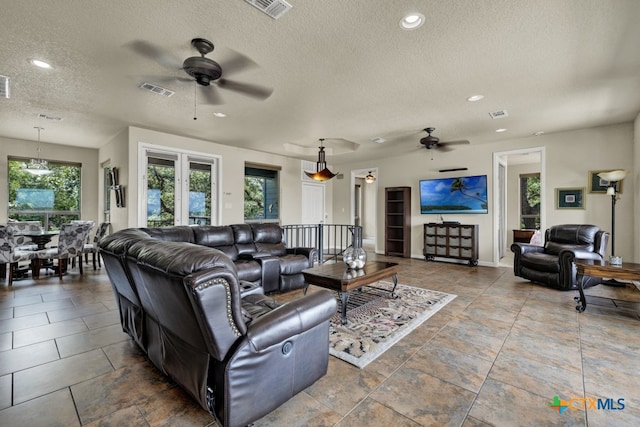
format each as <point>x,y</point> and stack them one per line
<point>330,240</point>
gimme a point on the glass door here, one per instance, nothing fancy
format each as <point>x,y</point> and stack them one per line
<point>178,189</point>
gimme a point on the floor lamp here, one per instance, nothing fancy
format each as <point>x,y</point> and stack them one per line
<point>614,178</point>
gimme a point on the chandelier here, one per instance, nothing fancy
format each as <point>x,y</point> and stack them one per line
<point>321,173</point>
<point>37,166</point>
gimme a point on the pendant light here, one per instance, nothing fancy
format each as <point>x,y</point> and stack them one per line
<point>37,166</point>
<point>321,173</point>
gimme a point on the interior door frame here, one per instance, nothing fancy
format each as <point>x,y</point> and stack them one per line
<point>500,196</point>
<point>355,173</point>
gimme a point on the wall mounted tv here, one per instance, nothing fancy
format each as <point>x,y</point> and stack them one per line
<point>461,195</point>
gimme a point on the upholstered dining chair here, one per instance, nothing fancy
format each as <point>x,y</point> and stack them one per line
<point>92,248</point>
<point>21,227</point>
<point>70,245</point>
<point>9,255</point>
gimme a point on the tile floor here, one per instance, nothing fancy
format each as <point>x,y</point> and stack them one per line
<point>497,355</point>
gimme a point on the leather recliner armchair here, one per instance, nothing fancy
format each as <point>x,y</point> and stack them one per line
<point>553,264</point>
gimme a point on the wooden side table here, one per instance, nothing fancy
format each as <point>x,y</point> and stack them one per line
<point>597,268</point>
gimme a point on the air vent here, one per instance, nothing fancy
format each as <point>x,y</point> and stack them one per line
<point>48,117</point>
<point>273,8</point>
<point>156,89</point>
<point>4,87</point>
<point>499,114</point>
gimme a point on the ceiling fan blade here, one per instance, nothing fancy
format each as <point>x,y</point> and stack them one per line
<point>236,62</point>
<point>459,142</point>
<point>248,89</point>
<point>211,95</point>
<point>150,51</point>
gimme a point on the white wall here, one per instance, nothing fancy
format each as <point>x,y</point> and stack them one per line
<point>569,158</point>
<point>91,173</point>
<point>231,174</point>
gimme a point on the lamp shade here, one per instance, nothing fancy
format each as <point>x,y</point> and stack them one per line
<point>322,173</point>
<point>613,176</point>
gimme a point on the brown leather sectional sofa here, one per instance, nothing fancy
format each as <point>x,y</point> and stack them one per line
<point>257,250</point>
<point>239,354</point>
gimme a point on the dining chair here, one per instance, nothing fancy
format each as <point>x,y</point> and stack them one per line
<point>92,248</point>
<point>91,224</point>
<point>9,254</point>
<point>21,227</point>
<point>70,245</point>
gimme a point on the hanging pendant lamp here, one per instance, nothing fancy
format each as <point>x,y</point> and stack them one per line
<point>321,173</point>
<point>37,166</point>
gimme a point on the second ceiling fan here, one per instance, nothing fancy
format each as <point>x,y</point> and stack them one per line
<point>430,141</point>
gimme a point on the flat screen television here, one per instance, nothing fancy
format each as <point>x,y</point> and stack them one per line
<point>461,195</point>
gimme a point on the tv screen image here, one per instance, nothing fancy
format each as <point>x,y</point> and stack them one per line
<point>461,195</point>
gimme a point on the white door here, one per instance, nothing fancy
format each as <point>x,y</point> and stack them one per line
<point>312,203</point>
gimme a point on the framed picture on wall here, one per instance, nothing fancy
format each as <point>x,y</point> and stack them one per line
<point>570,198</point>
<point>599,185</point>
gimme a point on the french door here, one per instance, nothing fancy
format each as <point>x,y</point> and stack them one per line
<point>177,188</point>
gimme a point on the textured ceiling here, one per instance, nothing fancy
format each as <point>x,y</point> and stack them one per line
<point>341,70</point>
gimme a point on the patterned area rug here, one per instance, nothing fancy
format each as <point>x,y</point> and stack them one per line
<point>375,321</point>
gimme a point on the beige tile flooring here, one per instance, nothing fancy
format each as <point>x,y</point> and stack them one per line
<point>496,355</point>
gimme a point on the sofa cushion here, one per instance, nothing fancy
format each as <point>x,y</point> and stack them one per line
<point>249,270</point>
<point>178,233</point>
<point>243,237</point>
<point>268,239</point>
<point>219,237</point>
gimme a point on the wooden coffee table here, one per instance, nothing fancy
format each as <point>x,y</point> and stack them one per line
<point>338,277</point>
<point>598,268</point>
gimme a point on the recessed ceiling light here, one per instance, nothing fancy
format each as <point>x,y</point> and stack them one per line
<point>219,114</point>
<point>538,133</point>
<point>501,130</point>
<point>41,64</point>
<point>474,98</point>
<point>412,21</point>
<point>378,140</point>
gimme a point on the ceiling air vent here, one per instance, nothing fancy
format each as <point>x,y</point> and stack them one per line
<point>4,87</point>
<point>156,89</point>
<point>499,114</point>
<point>48,117</point>
<point>273,8</point>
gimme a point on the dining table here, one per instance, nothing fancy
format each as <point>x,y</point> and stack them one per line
<point>40,237</point>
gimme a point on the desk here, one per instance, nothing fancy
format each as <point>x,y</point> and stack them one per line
<point>40,238</point>
<point>597,268</point>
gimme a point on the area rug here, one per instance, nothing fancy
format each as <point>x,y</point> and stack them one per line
<point>375,321</point>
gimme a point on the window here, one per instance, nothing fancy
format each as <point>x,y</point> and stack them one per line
<point>52,199</point>
<point>261,192</point>
<point>530,201</point>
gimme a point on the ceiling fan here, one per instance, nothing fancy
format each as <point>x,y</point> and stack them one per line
<point>206,72</point>
<point>431,141</point>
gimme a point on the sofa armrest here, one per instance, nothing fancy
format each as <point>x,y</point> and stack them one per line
<point>523,248</point>
<point>310,253</point>
<point>291,319</point>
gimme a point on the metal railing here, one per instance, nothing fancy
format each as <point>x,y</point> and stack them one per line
<point>330,240</point>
